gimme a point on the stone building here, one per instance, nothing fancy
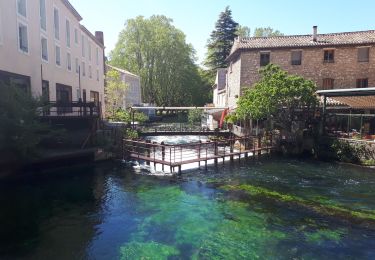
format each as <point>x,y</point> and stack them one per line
<point>133,90</point>
<point>219,90</point>
<point>219,99</point>
<point>45,50</point>
<point>333,61</point>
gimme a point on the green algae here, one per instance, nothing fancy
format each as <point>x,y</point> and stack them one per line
<point>319,206</point>
<point>323,235</point>
<point>147,250</point>
<point>200,227</point>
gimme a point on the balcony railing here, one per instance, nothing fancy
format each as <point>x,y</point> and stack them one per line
<point>69,109</point>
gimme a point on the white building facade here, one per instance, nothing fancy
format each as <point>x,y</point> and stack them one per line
<point>45,49</point>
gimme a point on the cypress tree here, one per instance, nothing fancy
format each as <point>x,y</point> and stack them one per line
<point>221,40</point>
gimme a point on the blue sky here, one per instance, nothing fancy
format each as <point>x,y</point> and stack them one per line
<point>196,18</point>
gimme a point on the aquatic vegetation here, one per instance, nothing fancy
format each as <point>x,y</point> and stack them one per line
<point>200,227</point>
<point>322,235</point>
<point>361,217</point>
<point>148,250</point>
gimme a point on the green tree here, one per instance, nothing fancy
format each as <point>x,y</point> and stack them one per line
<point>266,32</point>
<point>243,31</point>
<point>115,93</point>
<point>277,95</point>
<point>221,41</point>
<point>157,51</point>
<point>20,127</point>
<point>195,116</point>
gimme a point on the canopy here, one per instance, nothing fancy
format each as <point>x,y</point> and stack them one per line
<point>359,98</point>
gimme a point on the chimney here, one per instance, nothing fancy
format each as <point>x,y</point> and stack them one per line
<point>315,33</point>
<point>100,37</point>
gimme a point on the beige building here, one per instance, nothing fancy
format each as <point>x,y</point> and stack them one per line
<point>333,61</point>
<point>45,49</point>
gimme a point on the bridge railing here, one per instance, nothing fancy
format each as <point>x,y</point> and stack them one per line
<point>195,152</point>
<point>172,127</point>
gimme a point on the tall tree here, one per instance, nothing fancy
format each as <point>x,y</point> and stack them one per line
<point>158,52</point>
<point>266,32</point>
<point>243,31</point>
<point>221,41</point>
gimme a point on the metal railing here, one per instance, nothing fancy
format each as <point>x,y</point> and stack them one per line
<point>69,109</point>
<point>178,154</point>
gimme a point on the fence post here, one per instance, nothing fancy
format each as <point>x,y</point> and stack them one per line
<point>231,144</point>
<point>259,145</point>
<point>215,152</point>
<point>199,153</point>
<point>153,151</point>
<point>148,151</point>
<point>206,160</point>
<point>271,145</point>
<point>162,155</point>
<point>253,139</point>
<point>170,159</point>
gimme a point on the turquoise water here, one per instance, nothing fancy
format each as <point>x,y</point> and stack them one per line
<point>268,209</point>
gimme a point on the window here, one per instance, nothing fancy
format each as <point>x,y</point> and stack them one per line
<point>83,69</point>
<point>363,54</point>
<point>44,48</point>
<point>264,58</point>
<point>23,42</point>
<point>77,65</point>
<point>296,57</point>
<point>83,45</point>
<point>362,83</point>
<point>58,55</point>
<point>90,72</point>
<point>67,24</point>
<point>329,56</point>
<point>97,56</point>
<point>56,23</point>
<point>97,75</point>
<point>21,8</point>
<point>76,35</point>
<point>42,11</point>
<point>328,83</point>
<point>89,44</point>
<point>69,61</point>
<point>94,97</point>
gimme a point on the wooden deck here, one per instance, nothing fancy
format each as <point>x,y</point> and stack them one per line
<point>178,155</point>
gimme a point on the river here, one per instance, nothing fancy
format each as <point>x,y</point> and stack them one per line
<point>272,208</point>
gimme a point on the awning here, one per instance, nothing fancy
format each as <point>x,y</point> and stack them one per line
<point>359,98</point>
<point>216,113</point>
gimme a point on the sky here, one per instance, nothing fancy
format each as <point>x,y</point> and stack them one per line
<point>196,18</point>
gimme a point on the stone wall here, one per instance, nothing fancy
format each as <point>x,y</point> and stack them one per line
<point>233,82</point>
<point>345,70</point>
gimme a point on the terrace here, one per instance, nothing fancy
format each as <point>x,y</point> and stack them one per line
<point>53,109</point>
<point>349,113</point>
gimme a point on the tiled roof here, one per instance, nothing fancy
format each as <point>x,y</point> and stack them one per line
<point>299,41</point>
<point>122,70</point>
